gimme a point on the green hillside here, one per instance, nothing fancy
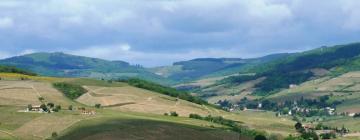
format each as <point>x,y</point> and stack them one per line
<point>301,67</point>
<point>210,67</point>
<point>65,65</point>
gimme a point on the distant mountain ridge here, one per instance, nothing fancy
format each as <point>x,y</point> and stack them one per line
<point>66,65</point>
<point>202,67</point>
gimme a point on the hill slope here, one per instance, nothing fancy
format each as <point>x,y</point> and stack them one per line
<point>65,65</point>
<point>210,67</point>
<point>122,104</point>
<point>301,67</point>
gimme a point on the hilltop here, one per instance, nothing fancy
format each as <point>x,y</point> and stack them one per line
<point>65,65</point>
<point>186,71</point>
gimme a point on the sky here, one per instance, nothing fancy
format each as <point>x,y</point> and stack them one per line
<point>160,32</point>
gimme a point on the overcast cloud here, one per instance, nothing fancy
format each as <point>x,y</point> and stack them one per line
<point>159,32</point>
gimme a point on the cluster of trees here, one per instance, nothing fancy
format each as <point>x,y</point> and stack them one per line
<point>309,133</point>
<point>357,115</point>
<point>234,125</point>
<point>47,107</point>
<point>163,90</point>
<point>71,91</point>
<point>11,69</point>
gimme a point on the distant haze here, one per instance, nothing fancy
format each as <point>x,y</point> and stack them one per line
<point>160,32</point>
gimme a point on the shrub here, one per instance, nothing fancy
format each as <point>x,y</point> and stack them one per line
<point>260,137</point>
<point>54,135</point>
<point>70,107</point>
<point>195,116</point>
<point>174,114</point>
<point>29,107</point>
<point>97,105</point>
<point>51,105</point>
<point>57,108</point>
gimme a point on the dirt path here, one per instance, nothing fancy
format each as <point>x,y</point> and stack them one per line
<point>8,133</point>
<point>357,134</point>
<point>36,91</point>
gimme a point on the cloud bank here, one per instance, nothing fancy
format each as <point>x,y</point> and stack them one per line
<point>159,32</point>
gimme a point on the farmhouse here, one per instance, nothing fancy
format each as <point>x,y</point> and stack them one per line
<point>88,112</point>
<point>36,108</point>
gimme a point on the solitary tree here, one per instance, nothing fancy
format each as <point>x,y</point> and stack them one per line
<point>29,107</point>
<point>97,105</point>
<point>70,107</point>
<point>298,126</point>
<point>54,135</point>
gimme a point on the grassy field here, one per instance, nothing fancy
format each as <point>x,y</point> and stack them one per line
<point>233,94</point>
<point>345,88</point>
<point>123,105</point>
<point>127,98</point>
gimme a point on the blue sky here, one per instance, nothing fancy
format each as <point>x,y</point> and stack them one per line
<point>159,32</point>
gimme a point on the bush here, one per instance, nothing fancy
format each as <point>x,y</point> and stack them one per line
<point>97,105</point>
<point>260,137</point>
<point>44,108</point>
<point>174,114</point>
<point>50,105</point>
<point>57,108</point>
<point>29,107</point>
<point>195,116</point>
<point>54,135</point>
<point>70,107</point>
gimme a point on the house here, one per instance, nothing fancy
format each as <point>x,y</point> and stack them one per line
<point>293,86</point>
<point>36,108</point>
<point>330,110</point>
<point>351,114</point>
<point>88,112</point>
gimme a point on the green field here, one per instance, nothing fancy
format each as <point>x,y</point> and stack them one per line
<point>142,119</point>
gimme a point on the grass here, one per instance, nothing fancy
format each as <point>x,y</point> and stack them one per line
<point>141,101</point>
<point>148,108</point>
<point>109,128</point>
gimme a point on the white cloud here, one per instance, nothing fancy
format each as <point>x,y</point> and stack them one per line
<point>27,51</point>
<point>4,54</point>
<point>6,22</point>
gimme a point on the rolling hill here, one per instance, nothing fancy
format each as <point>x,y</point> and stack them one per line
<point>298,68</point>
<point>210,67</point>
<point>125,110</point>
<point>65,65</point>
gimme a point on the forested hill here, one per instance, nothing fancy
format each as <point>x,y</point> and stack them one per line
<point>203,67</point>
<point>300,67</point>
<point>65,65</point>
